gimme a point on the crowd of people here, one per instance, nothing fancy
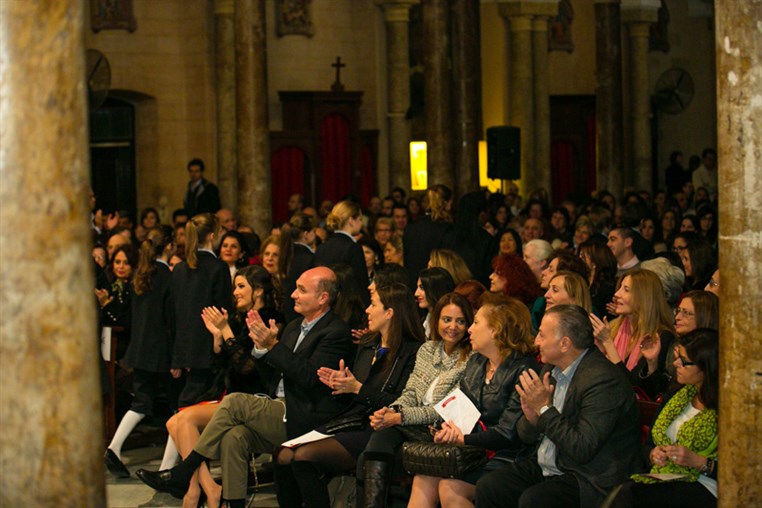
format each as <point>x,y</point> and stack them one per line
<point>355,321</point>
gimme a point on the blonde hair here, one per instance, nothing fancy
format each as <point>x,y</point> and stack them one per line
<point>452,262</point>
<point>437,198</point>
<point>197,231</point>
<point>341,213</point>
<point>651,313</point>
<point>512,324</point>
<point>577,289</point>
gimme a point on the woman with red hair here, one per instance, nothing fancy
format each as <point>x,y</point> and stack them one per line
<point>512,276</point>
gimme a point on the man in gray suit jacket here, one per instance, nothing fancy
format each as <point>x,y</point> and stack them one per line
<point>296,403</point>
<point>581,411</point>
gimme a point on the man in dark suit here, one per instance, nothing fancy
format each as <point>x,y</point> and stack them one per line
<point>297,401</point>
<point>581,409</point>
<point>202,195</point>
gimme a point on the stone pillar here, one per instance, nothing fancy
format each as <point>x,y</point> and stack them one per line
<point>466,58</point>
<point>521,86</point>
<point>252,129</point>
<point>639,20</point>
<point>437,91</point>
<point>224,70</point>
<point>51,443</point>
<point>543,11</point>
<point>397,17</point>
<point>608,95</point>
<point>739,136</point>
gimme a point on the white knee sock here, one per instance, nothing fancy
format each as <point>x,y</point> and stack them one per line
<point>129,422</point>
<point>170,455</point>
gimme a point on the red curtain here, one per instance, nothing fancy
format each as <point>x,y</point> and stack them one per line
<point>562,169</point>
<point>368,176</point>
<point>336,158</point>
<point>287,169</point>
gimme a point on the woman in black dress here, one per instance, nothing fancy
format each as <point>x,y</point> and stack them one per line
<point>150,345</point>
<point>253,290</point>
<point>383,364</point>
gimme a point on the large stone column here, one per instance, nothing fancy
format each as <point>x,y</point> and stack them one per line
<point>252,130</point>
<point>639,15</point>
<point>543,11</point>
<point>397,17</point>
<point>521,86</point>
<point>608,95</point>
<point>466,58</point>
<point>739,136</point>
<point>224,71</point>
<point>50,405</point>
<point>437,91</point>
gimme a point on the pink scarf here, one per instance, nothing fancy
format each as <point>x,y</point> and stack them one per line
<point>621,341</point>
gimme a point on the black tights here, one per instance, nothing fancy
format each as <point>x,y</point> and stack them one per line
<point>301,473</point>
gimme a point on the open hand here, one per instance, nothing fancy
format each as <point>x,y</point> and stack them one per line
<point>263,336</point>
<point>104,298</point>
<point>535,392</point>
<point>215,317</point>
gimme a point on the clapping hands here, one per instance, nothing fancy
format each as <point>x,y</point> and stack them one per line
<point>340,381</point>
<point>263,336</point>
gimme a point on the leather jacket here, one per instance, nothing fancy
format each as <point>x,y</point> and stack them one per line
<point>498,402</point>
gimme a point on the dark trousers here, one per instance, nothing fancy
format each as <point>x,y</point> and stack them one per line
<point>521,484</point>
<point>669,494</point>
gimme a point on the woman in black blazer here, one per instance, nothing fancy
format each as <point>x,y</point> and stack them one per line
<point>384,361</point>
<point>150,346</point>
<point>345,220</point>
<point>200,281</point>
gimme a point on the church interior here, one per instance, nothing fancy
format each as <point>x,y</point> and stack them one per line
<point>324,98</point>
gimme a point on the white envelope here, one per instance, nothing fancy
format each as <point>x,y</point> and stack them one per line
<point>456,406</point>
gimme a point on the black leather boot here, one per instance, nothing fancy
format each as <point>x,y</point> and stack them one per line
<point>376,480</point>
<point>286,486</point>
<point>312,483</point>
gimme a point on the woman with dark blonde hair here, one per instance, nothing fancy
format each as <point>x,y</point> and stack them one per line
<point>640,337</point>
<point>200,281</point>
<point>345,223</point>
<point>501,335</point>
<point>452,262</point>
<point>568,288</point>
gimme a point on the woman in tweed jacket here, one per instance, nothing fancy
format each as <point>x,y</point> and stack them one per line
<point>439,367</point>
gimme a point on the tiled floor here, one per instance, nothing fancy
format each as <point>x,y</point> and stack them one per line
<point>132,493</point>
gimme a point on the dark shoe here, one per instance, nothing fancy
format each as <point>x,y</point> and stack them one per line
<point>114,465</point>
<point>163,481</point>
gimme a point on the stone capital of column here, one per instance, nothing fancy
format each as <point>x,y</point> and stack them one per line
<point>224,7</point>
<point>514,8</point>
<point>640,16</point>
<point>396,10</point>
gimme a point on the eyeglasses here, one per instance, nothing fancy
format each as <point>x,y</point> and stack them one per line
<point>677,248</point>
<point>714,283</point>
<point>685,363</point>
<point>686,313</point>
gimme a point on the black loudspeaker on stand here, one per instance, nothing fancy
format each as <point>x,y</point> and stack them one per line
<point>504,153</point>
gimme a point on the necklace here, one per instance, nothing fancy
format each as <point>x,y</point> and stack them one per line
<point>490,372</point>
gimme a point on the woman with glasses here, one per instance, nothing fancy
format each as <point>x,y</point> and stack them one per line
<point>639,339</point>
<point>683,439</point>
<point>713,286</point>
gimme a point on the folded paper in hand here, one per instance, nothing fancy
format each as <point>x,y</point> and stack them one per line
<point>456,406</point>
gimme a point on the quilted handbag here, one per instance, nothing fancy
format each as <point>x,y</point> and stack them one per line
<point>441,459</point>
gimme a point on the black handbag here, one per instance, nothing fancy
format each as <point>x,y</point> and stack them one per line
<point>355,421</point>
<point>441,459</point>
